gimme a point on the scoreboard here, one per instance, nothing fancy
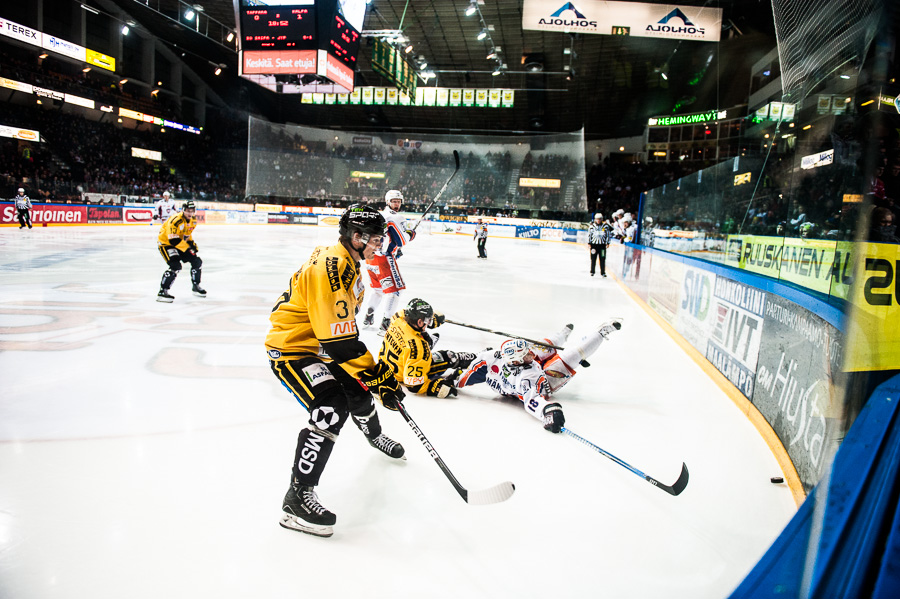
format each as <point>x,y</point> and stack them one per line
<point>278,27</point>
<point>294,37</point>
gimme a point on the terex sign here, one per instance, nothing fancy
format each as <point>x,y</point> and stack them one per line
<point>279,62</point>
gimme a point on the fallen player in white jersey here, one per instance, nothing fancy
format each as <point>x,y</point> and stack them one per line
<point>534,373</point>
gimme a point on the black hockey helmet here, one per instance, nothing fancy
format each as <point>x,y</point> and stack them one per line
<point>189,205</point>
<point>362,218</point>
<point>418,309</point>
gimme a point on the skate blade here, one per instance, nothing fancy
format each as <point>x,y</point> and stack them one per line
<point>165,300</point>
<point>294,523</point>
<point>199,294</point>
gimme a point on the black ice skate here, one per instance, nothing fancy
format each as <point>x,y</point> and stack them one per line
<point>369,319</point>
<point>163,296</point>
<point>608,327</point>
<point>198,291</point>
<point>387,446</point>
<point>303,512</point>
<point>385,323</point>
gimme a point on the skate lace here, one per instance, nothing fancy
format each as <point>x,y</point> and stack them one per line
<point>384,443</point>
<point>312,502</point>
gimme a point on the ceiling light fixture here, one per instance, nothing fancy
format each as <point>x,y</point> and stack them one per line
<point>86,69</point>
<point>123,81</point>
<point>408,49</point>
<point>218,71</point>
<point>664,76</point>
<point>482,34</point>
<point>492,55</point>
<point>230,37</point>
<point>89,9</point>
<point>472,9</point>
<point>125,29</point>
<point>189,14</point>
<point>43,56</point>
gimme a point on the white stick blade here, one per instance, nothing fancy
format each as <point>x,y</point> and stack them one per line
<point>495,494</point>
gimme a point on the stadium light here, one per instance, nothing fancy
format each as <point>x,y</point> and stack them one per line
<point>408,49</point>
<point>492,55</point>
<point>123,81</point>
<point>218,71</point>
<point>43,56</point>
<point>664,76</point>
<point>86,70</point>
<point>189,14</point>
<point>230,37</point>
<point>125,29</point>
<point>482,34</point>
<point>472,9</point>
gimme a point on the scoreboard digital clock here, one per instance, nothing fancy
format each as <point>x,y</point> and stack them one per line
<point>278,27</point>
<point>343,40</point>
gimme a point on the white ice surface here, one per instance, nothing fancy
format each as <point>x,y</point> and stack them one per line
<point>145,447</point>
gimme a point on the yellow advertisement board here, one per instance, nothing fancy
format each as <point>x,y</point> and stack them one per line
<point>873,334</point>
<point>98,59</point>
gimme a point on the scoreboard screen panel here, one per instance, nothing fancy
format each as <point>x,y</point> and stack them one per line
<point>278,27</point>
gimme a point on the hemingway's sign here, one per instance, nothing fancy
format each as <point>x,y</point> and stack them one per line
<point>639,19</point>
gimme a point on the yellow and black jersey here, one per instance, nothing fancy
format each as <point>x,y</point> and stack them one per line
<point>317,314</point>
<point>177,225</point>
<point>408,352</point>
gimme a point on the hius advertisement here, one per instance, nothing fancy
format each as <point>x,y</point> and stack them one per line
<point>638,19</point>
<point>794,383</point>
<point>737,328</point>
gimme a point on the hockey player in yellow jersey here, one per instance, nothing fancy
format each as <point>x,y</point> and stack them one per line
<point>176,245</point>
<point>407,349</point>
<point>315,351</point>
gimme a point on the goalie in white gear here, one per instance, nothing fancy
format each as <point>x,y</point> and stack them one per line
<point>384,275</point>
<point>535,373</point>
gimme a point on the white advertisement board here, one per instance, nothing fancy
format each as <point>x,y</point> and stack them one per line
<point>638,19</point>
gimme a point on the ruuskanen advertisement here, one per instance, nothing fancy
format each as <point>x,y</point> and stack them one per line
<point>737,326</point>
<point>794,383</point>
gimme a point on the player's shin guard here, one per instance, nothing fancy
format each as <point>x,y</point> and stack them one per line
<point>195,279</point>
<point>167,279</point>
<point>314,447</point>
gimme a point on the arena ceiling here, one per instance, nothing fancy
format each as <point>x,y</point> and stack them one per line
<point>610,88</point>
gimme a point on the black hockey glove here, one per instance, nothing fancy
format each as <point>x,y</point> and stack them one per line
<point>192,245</point>
<point>441,388</point>
<point>553,418</point>
<point>381,380</point>
<point>437,320</point>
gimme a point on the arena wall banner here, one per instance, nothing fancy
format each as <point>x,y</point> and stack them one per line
<point>665,285</point>
<point>798,357</point>
<point>257,218</point>
<point>527,232</point>
<point>268,207</point>
<point>104,214</point>
<point>550,234</point>
<point>696,312</point>
<point>43,214</point>
<point>737,328</point>
<point>216,217</point>
<point>329,220</point>
<point>873,337</point>
<point>96,198</point>
<point>205,205</point>
<point>817,264</point>
<point>137,216</point>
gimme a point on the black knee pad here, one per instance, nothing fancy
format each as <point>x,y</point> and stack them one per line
<point>328,411</point>
<point>175,264</point>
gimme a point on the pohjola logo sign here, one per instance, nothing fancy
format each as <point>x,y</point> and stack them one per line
<point>559,18</point>
<point>662,26</point>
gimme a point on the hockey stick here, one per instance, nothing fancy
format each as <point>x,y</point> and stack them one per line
<point>675,489</point>
<point>443,189</point>
<point>494,494</point>
<point>472,326</point>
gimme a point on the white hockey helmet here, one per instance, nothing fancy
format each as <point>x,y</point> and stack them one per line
<point>514,351</point>
<point>21,190</point>
<point>166,194</point>
<point>598,216</point>
<point>393,194</point>
<point>628,218</point>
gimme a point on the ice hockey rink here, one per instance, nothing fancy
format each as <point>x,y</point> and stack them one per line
<point>145,447</point>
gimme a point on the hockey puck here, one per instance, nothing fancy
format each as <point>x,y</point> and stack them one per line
<point>776,480</point>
